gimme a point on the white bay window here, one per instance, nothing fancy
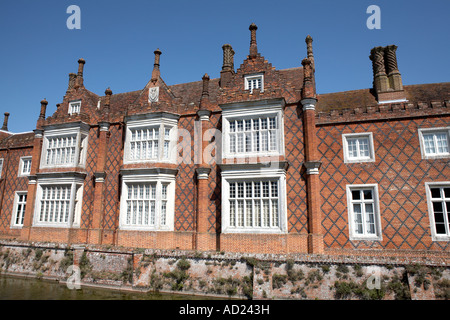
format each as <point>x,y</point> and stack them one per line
<point>253,129</point>
<point>147,201</point>
<point>151,138</point>
<point>65,146</point>
<point>253,200</point>
<point>59,202</point>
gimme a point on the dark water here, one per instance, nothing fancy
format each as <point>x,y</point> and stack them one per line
<point>14,288</point>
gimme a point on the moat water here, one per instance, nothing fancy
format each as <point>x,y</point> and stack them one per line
<point>15,288</point>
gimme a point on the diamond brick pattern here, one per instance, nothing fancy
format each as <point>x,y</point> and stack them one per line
<point>112,168</point>
<point>295,178</point>
<point>11,183</point>
<point>214,187</point>
<point>185,191</point>
<point>400,173</point>
<point>88,188</point>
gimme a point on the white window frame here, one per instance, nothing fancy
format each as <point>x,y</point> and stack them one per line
<point>244,174</point>
<point>162,122</point>
<point>377,215</point>
<point>14,223</point>
<point>81,135</point>
<point>75,202</point>
<point>1,167</point>
<point>251,77</point>
<point>252,110</point>
<point>154,178</point>
<point>74,107</point>
<point>22,166</point>
<point>424,131</point>
<point>434,235</point>
<point>350,136</point>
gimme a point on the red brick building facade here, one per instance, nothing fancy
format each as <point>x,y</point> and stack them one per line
<point>254,161</point>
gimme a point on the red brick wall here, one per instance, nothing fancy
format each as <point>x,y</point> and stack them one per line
<point>400,173</point>
<point>9,184</point>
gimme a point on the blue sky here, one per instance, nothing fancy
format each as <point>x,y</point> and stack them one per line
<point>117,40</point>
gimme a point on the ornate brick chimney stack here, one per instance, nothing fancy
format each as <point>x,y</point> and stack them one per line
<point>79,78</point>
<point>156,73</point>
<point>228,65</point>
<point>72,79</point>
<point>253,46</point>
<point>387,81</point>
<point>5,122</point>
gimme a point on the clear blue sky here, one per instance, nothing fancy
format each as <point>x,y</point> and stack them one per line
<point>117,40</point>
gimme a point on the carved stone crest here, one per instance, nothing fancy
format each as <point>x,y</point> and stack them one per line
<point>153,94</point>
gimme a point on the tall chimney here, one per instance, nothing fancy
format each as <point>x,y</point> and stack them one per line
<point>79,78</point>
<point>380,80</point>
<point>156,73</point>
<point>44,104</point>
<point>387,80</point>
<point>228,65</point>
<point>5,122</point>
<point>395,79</point>
<point>72,79</point>
<point>204,101</point>
<point>253,46</point>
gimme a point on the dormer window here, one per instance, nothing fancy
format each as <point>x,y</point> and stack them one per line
<point>255,81</point>
<point>74,107</point>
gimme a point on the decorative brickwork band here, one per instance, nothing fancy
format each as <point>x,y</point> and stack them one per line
<point>5,122</point>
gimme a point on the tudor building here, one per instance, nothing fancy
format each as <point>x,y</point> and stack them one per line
<point>254,161</point>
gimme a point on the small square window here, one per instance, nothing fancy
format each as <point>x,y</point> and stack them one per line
<point>254,82</point>
<point>358,147</point>
<point>25,166</point>
<point>74,107</point>
<point>435,143</point>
